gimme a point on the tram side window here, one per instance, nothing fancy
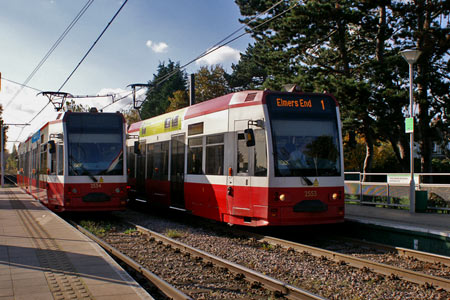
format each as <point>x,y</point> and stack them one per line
<point>53,163</point>
<point>60,152</point>
<point>43,169</point>
<point>150,164</point>
<point>214,155</point>
<point>242,154</point>
<point>26,167</point>
<point>22,162</point>
<point>34,161</point>
<point>160,161</point>
<point>165,160</point>
<point>260,153</point>
<point>195,156</point>
<point>131,159</point>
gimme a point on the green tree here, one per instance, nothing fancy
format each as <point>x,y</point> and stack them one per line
<point>131,116</point>
<point>316,45</point>
<point>351,49</point>
<point>11,161</point>
<point>210,83</point>
<point>72,106</point>
<point>422,25</point>
<point>354,153</point>
<point>249,73</point>
<point>168,80</point>
<point>179,100</point>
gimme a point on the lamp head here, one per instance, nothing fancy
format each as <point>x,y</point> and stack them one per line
<point>411,55</point>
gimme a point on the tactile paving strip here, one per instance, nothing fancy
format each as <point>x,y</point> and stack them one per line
<point>61,276</point>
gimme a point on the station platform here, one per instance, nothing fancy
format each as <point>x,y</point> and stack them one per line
<point>43,257</point>
<point>428,232</point>
<point>431,223</point>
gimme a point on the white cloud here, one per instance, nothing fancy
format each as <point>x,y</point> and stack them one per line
<point>222,55</point>
<point>25,106</point>
<point>160,47</point>
<point>122,100</point>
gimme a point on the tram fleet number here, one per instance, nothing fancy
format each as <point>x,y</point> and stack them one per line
<point>96,185</point>
<point>310,194</point>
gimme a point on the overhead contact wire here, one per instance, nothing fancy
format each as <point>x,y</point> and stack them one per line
<point>84,57</point>
<point>93,45</point>
<point>53,48</point>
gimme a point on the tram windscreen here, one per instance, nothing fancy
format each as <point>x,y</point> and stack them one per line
<point>95,144</point>
<point>305,135</point>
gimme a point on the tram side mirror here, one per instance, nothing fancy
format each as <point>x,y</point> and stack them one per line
<point>249,137</point>
<point>51,147</point>
<point>137,150</point>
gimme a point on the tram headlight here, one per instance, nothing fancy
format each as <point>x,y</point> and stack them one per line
<point>117,190</point>
<point>335,196</point>
<point>279,197</point>
<point>74,191</point>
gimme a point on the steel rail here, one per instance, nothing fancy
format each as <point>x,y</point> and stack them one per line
<point>268,282</point>
<point>424,256</point>
<point>405,252</point>
<point>161,284</point>
<point>408,275</point>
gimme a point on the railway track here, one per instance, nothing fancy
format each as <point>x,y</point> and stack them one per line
<point>403,252</point>
<point>237,278</point>
<point>163,286</point>
<point>375,263</point>
<point>380,268</point>
<point>329,278</point>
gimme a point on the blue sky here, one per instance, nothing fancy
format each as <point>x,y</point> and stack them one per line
<point>145,33</point>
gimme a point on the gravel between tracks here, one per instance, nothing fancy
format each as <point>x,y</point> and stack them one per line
<point>198,279</point>
<point>318,275</point>
<point>391,258</point>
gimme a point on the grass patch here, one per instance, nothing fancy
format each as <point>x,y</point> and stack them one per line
<point>130,231</point>
<point>267,246</point>
<point>97,228</point>
<point>173,233</point>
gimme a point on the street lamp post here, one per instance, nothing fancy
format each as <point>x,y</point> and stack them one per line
<point>411,56</point>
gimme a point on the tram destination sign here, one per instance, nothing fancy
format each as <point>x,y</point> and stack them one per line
<point>301,103</point>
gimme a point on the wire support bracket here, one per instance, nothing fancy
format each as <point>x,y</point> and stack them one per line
<point>138,103</point>
<point>56,98</point>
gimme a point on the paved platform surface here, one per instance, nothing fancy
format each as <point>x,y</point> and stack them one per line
<point>438,224</point>
<point>43,257</point>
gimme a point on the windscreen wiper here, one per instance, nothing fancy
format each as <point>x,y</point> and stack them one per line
<point>85,171</point>
<point>306,179</point>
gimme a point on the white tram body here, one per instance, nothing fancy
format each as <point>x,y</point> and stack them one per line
<point>76,163</point>
<point>231,159</point>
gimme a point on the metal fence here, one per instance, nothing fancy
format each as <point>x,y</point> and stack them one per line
<point>392,189</point>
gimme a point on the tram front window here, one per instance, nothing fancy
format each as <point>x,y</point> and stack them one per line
<point>306,147</point>
<point>95,147</point>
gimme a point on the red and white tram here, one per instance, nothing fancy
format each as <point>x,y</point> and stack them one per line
<point>254,158</point>
<point>77,163</point>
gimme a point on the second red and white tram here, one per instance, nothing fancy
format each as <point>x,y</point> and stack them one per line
<point>254,158</point>
<point>77,163</point>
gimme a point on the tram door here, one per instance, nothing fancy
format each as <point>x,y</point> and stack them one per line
<point>239,199</point>
<point>140,169</point>
<point>177,171</point>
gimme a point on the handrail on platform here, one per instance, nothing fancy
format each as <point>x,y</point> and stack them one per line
<point>392,190</point>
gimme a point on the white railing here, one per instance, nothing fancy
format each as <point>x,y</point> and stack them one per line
<point>392,189</point>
